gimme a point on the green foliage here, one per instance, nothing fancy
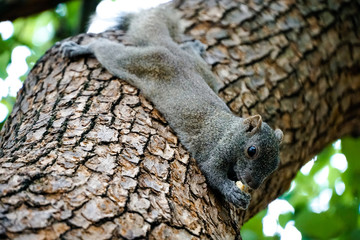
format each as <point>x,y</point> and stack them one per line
<point>5,55</point>
<point>253,228</point>
<point>351,148</point>
<point>38,33</point>
<point>8,101</point>
<point>341,219</point>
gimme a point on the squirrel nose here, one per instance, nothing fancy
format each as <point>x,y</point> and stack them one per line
<point>251,182</point>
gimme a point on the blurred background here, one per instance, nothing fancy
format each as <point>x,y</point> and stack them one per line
<point>323,201</point>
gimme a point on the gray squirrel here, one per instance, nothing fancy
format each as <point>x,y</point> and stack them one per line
<point>227,148</point>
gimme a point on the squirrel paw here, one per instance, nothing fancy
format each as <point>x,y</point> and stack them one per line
<point>194,46</point>
<point>237,197</point>
<point>71,49</point>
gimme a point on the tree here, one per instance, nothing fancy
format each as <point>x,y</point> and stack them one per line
<point>84,155</point>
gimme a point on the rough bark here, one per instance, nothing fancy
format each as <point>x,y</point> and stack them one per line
<point>85,156</point>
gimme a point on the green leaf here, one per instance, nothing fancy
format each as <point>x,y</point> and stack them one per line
<point>351,149</point>
<point>253,229</point>
<point>4,62</point>
<point>318,225</point>
<point>253,225</point>
<point>9,102</point>
<point>322,159</point>
<point>285,218</point>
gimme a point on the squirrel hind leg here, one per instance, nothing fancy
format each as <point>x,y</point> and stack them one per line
<point>197,50</point>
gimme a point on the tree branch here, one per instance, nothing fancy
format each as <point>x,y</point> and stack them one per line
<point>84,154</point>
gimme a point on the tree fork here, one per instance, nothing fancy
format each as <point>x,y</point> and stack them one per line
<point>84,155</point>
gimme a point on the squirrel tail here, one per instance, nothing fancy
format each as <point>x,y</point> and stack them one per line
<point>156,26</point>
<point>119,17</point>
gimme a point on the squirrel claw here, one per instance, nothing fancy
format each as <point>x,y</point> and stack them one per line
<point>239,198</point>
<point>71,49</point>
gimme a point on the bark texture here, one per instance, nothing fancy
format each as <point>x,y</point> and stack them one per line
<point>85,156</point>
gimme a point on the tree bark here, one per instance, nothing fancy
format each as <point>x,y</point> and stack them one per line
<point>85,156</point>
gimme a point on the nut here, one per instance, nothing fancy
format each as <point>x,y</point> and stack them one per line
<point>242,187</point>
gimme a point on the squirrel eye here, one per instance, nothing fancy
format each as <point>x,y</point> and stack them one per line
<point>251,151</point>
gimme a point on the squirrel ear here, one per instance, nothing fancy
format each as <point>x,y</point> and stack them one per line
<point>279,135</point>
<point>253,124</point>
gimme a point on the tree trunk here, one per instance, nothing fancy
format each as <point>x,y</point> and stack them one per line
<point>84,155</point>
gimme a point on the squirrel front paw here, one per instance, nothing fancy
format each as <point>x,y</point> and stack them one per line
<point>237,197</point>
<point>71,49</point>
<point>195,46</point>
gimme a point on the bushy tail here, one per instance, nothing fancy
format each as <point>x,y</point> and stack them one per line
<point>156,26</point>
<point>149,26</point>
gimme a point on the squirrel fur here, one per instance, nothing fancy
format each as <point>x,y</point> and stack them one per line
<point>178,81</point>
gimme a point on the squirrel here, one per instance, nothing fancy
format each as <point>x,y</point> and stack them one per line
<point>175,78</point>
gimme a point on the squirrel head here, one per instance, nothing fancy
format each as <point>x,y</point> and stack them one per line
<point>257,155</point>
